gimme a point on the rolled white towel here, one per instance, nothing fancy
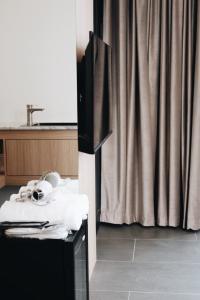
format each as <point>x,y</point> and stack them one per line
<point>32,183</point>
<point>25,192</point>
<point>53,178</point>
<point>41,190</point>
<point>24,189</point>
<point>14,197</point>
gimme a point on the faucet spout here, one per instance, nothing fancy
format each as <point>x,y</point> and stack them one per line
<point>30,110</point>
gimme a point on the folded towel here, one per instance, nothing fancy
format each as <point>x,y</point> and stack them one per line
<point>69,185</point>
<point>51,232</point>
<point>68,209</point>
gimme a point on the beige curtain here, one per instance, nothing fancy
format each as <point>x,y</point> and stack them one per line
<point>151,164</point>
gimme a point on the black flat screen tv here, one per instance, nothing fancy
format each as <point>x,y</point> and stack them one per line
<point>94,96</point>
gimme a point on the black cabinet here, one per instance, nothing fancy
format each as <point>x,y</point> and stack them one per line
<point>45,270</point>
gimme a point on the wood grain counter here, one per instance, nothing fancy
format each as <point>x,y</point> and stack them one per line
<point>30,153</point>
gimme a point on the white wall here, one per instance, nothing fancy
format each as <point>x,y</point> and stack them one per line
<point>38,59</point>
<point>84,24</point>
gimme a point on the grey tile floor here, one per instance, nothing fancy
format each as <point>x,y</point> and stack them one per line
<point>6,191</point>
<point>136,263</point>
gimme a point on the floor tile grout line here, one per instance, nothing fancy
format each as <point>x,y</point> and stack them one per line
<point>146,292</point>
<point>164,293</point>
<point>129,295</point>
<point>134,246</point>
<point>148,262</point>
<point>115,238</point>
<point>168,262</point>
<point>155,239</point>
<point>110,291</point>
<point>114,261</point>
<point>169,240</point>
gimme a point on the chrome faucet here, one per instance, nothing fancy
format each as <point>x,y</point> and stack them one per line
<point>30,110</point>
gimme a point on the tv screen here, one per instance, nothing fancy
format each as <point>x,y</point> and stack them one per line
<point>94,90</point>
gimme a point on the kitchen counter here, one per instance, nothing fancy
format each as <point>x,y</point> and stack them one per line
<point>15,126</point>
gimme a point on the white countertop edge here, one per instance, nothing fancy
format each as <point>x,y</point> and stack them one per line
<point>32,128</point>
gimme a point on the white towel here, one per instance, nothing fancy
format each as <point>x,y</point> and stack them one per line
<point>53,232</point>
<point>53,178</point>
<point>68,209</point>
<point>32,183</point>
<point>40,192</point>
<point>30,186</point>
<point>24,189</point>
<point>35,190</point>
<point>69,186</point>
<point>25,192</point>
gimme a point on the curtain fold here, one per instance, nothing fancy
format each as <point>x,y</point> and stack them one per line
<point>151,163</point>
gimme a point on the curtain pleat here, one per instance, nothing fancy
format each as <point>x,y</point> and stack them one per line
<point>151,163</point>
